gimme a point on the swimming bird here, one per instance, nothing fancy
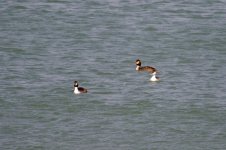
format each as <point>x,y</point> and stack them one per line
<point>154,78</point>
<point>79,90</point>
<point>144,68</point>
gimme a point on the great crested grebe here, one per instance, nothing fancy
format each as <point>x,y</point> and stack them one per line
<point>154,78</point>
<point>79,90</point>
<point>144,68</point>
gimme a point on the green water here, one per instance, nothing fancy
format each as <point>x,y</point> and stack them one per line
<point>45,45</point>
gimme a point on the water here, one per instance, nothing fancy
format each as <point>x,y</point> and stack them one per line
<point>46,45</point>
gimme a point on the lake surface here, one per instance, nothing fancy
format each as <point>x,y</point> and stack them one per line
<point>47,44</point>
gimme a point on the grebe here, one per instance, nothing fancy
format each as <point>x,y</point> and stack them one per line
<point>79,90</point>
<point>154,78</point>
<point>144,68</point>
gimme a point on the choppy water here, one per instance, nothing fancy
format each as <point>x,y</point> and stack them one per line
<point>45,45</point>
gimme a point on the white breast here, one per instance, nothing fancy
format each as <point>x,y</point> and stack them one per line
<point>76,91</point>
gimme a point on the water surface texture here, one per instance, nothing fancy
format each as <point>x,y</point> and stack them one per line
<point>47,44</point>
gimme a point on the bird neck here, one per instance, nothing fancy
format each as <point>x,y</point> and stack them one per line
<point>153,76</point>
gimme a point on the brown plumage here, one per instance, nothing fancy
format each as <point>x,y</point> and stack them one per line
<point>82,90</point>
<point>144,68</point>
